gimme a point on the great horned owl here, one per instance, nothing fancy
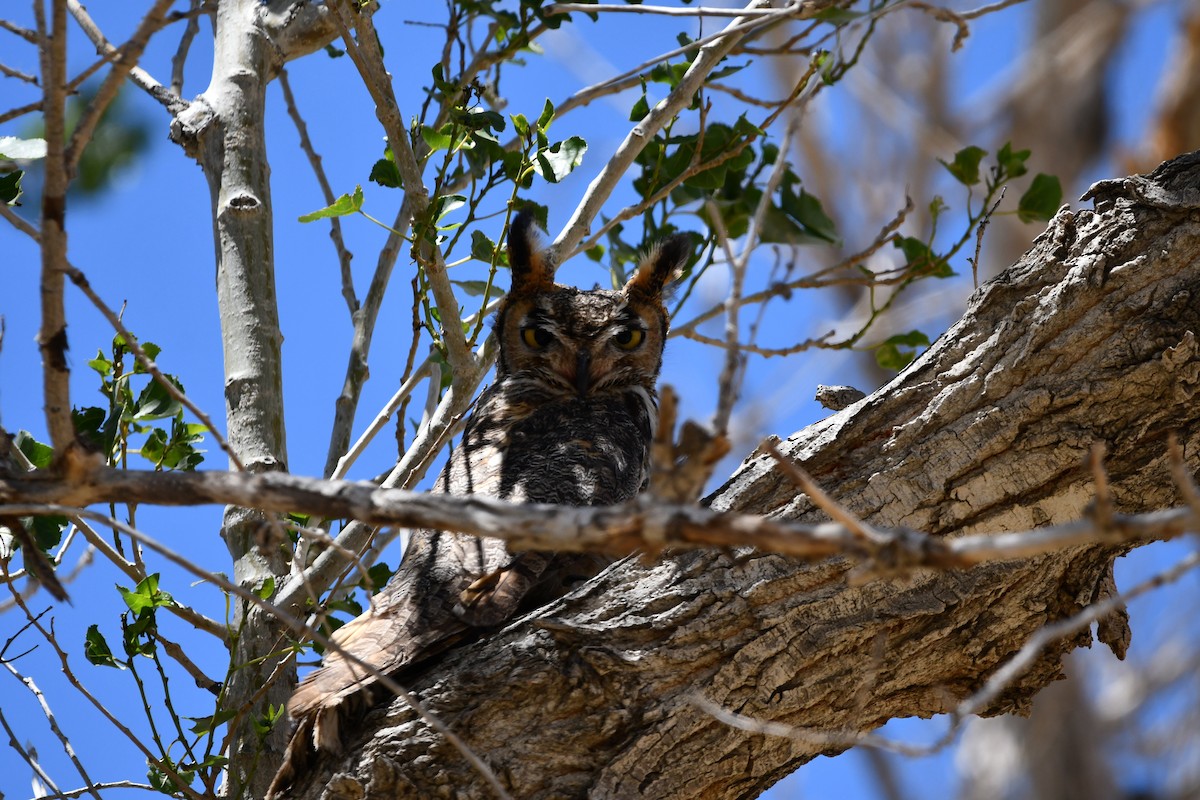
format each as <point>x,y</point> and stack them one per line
<point>569,420</point>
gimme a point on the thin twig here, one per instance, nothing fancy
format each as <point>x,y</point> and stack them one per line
<point>1003,677</point>
<point>712,50</point>
<point>808,281</point>
<point>314,160</point>
<point>817,495</point>
<point>20,111</point>
<point>179,60</point>
<point>364,319</point>
<point>698,11</point>
<point>292,623</point>
<point>80,280</point>
<point>381,419</point>
<point>1184,481</point>
<point>1102,506</point>
<point>369,61</point>
<point>53,722</point>
<point>126,58</point>
<point>29,758</point>
<point>171,101</point>
<point>9,72</point>
<point>52,336</point>
<point>766,352</point>
<point>52,640</point>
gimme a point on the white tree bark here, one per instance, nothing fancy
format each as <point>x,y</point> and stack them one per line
<point>224,129</point>
<point>1089,338</point>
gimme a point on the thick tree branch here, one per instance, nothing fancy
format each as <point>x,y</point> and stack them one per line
<point>1090,337</point>
<point>645,525</point>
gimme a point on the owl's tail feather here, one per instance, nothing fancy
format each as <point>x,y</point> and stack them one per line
<point>381,642</point>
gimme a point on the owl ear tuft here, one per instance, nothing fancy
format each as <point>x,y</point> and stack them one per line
<point>660,266</point>
<point>531,269</point>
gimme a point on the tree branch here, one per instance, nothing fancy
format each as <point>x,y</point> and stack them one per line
<point>1090,337</point>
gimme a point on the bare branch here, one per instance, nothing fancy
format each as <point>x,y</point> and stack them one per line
<point>29,758</point>
<point>335,223</point>
<point>369,61</point>
<point>125,60</point>
<point>171,101</point>
<point>52,337</point>
<point>80,280</point>
<point>50,718</point>
<point>698,11</point>
<point>185,43</point>
<point>52,640</point>
<point>616,530</point>
<point>711,52</point>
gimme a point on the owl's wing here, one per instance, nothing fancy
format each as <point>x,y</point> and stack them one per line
<point>574,454</point>
<point>449,583</point>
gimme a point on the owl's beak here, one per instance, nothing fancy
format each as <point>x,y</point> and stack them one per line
<point>583,371</point>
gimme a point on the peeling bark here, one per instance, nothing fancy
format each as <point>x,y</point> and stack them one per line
<point>1089,337</point>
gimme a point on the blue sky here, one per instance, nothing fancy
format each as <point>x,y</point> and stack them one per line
<point>147,245</point>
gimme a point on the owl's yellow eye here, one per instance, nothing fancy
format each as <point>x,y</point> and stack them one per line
<point>629,338</point>
<point>536,337</point>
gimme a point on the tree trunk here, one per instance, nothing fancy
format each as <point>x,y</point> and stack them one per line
<point>1089,338</point>
<point>224,129</point>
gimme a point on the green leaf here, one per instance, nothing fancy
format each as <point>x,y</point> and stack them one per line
<point>204,725</point>
<point>267,589</point>
<point>888,356</point>
<point>151,351</point>
<point>92,426</point>
<point>837,15</point>
<point>670,74</point>
<point>47,530</point>
<point>384,173</point>
<point>437,140</point>
<point>936,206</point>
<point>921,260</point>
<point>477,119</point>
<point>482,248</point>
<point>97,651</point>
<point>641,108</point>
<point>155,402</point>
<point>22,149</point>
<point>725,72</point>
<point>40,455</point>
<point>898,351</point>
<point>379,574</point>
<point>266,723</point>
<point>146,595</point>
<point>910,339</point>
<point>546,117</point>
<point>444,205</point>
<point>477,288</point>
<point>520,124</point>
<point>806,209</point>
<point>965,167</point>
<point>346,204</point>
<point>1012,164</point>
<point>559,159</point>
<point>1041,200</point>
<point>10,187</point>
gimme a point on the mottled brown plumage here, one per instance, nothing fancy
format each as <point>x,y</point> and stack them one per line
<point>568,420</point>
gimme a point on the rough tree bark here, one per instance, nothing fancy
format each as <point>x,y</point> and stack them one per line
<point>1089,337</point>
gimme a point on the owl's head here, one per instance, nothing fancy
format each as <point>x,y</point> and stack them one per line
<point>577,342</point>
